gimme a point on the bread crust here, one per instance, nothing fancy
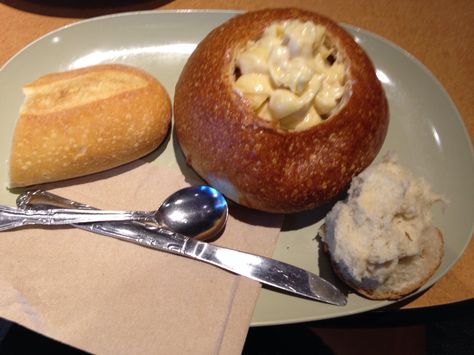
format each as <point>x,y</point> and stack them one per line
<point>424,266</point>
<point>53,143</point>
<point>257,165</point>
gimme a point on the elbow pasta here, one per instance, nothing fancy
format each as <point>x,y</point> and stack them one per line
<point>291,76</point>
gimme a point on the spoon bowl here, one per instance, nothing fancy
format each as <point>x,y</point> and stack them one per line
<point>198,211</point>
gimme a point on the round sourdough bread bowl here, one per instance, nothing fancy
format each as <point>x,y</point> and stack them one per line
<point>249,159</point>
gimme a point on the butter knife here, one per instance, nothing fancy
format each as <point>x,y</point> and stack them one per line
<point>265,270</point>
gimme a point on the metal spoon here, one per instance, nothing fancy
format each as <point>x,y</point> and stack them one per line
<point>199,211</point>
<point>186,211</point>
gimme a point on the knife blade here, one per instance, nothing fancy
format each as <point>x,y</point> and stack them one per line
<point>265,270</point>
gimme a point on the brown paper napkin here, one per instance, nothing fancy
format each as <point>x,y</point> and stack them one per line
<point>112,297</point>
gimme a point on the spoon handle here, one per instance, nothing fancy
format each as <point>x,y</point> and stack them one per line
<point>13,217</point>
<point>44,200</point>
<point>123,230</point>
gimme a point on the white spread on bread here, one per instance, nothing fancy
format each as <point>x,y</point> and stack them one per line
<point>292,75</point>
<point>80,90</point>
<point>385,222</point>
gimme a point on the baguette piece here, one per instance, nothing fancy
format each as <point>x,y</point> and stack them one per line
<point>381,241</point>
<point>254,162</point>
<point>87,120</point>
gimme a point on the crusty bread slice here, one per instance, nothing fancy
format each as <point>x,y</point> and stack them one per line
<point>87,120</point>
<point>409,275</point>
<point>381,240</point>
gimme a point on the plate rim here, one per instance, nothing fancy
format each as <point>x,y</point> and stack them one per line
<point>347,27</point>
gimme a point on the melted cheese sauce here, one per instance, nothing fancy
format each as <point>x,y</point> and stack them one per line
<point>291,76</point>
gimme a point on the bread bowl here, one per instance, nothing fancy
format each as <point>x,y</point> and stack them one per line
<point>381,240</point>
<point>254,161</point>
<point>86,120</point>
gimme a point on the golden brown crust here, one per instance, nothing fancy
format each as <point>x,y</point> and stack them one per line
<point>91,136</point>
<point>256,165</point>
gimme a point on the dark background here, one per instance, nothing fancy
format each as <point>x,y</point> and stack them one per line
<point>437,330</point>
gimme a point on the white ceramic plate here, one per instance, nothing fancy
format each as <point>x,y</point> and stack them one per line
<point>425,129</point>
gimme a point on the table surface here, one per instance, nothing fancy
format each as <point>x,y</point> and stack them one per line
<point>439,33</point>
